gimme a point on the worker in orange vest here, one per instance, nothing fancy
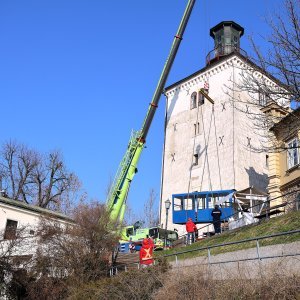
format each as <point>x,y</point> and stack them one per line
<point>146,252</point>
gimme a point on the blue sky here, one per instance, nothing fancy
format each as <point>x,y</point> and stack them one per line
<point>78,75</point>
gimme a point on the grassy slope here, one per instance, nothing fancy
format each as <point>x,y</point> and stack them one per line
<point>287,222</point>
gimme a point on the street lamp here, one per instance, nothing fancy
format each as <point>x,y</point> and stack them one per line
<point>167,206</point>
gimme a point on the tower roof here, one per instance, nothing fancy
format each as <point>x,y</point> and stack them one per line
<point>223,59</point>
<point>226,23</point>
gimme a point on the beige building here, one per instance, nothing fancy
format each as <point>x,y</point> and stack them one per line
<point>284,162</point>
<point>210,146</point>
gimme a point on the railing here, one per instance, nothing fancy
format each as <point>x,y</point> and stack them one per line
<point>256,239</point>
<point>125,267</point>
<point>221,51</point>
<point>115,269</point>
<point>267,212</point>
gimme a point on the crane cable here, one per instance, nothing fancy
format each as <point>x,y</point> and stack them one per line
<point>233,126</point>
<point>206,141</point>
<point>194,142</point>
<point>206,148</point>
<point>220,179</point>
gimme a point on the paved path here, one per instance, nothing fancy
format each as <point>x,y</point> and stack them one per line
<point>247,269</point>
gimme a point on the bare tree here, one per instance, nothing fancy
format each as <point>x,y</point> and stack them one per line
<point>130,216</point>
<point>283,57</point>
<point>150,210</point>
<point>282,60</point>
<point>72,254</point>
<point>36,178</point>
<point>14,260</point>
<point>271,78</point>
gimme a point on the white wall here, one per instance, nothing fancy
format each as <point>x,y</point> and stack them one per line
<point>238,165</point>
<point>28,222</point>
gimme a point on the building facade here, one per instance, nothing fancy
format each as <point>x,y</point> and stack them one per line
<point>19,220</point>
<point>284,171</point>
<point>210,146</point>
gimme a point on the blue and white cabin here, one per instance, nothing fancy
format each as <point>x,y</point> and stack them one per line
<point>199,205</point>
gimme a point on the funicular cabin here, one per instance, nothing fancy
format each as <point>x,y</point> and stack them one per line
<point>199,205</point>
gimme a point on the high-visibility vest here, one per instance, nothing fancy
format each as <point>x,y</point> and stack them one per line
<point>146,253</point>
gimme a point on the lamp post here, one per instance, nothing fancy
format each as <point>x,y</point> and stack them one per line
<point>167,206</point>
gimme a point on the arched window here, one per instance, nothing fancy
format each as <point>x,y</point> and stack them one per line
<point>201,99</point>
<point>194,100</point>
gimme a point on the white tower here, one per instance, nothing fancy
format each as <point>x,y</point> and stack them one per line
<point>209,147</point>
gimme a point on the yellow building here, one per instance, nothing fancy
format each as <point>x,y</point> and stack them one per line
<point>284,160</point>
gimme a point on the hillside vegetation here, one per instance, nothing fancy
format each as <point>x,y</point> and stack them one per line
<point>195,283</point>
<point>162,283</point>
<point>284,223</point>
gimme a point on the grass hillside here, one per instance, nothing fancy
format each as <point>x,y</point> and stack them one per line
<point>202,282</point>
<point>287,222</point>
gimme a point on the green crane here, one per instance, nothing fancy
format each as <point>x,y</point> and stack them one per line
<point>116,200</point>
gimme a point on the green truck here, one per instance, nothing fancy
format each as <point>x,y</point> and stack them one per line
<point>162,238</point>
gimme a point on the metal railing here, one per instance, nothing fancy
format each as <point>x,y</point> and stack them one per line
<point>125,267</point>
<point>256,239</point>
<point>175,256</point>
<point>221,51</point>
<point>267,215</point>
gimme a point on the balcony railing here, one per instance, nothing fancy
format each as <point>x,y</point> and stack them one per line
<point>221,51</point>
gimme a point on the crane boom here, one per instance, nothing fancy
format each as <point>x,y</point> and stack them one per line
<point>166,70</point>
<point>116,200</point>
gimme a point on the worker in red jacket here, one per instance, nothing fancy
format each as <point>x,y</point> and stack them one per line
<point>191,229</point>
<point>146,252</point>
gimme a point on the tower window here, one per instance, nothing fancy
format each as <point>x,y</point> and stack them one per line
<point>201,99</point>
<point>193,100</point>
<point>196,128</point>
<point>235,41</point>
<point>196,159</point>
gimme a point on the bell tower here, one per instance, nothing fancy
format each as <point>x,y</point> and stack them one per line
<point>226,37</point>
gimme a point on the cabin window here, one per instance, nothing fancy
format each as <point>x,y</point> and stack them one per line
<point>153,232</point>
<point>129,231</point>
<point>178,204</point>
<point>292,153</point>
<point>193,100</point>
<point>201,202</point>
<point>224,200</point>
<point>10,230</point>
<point>212,201</point>
<point>189,203</point>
